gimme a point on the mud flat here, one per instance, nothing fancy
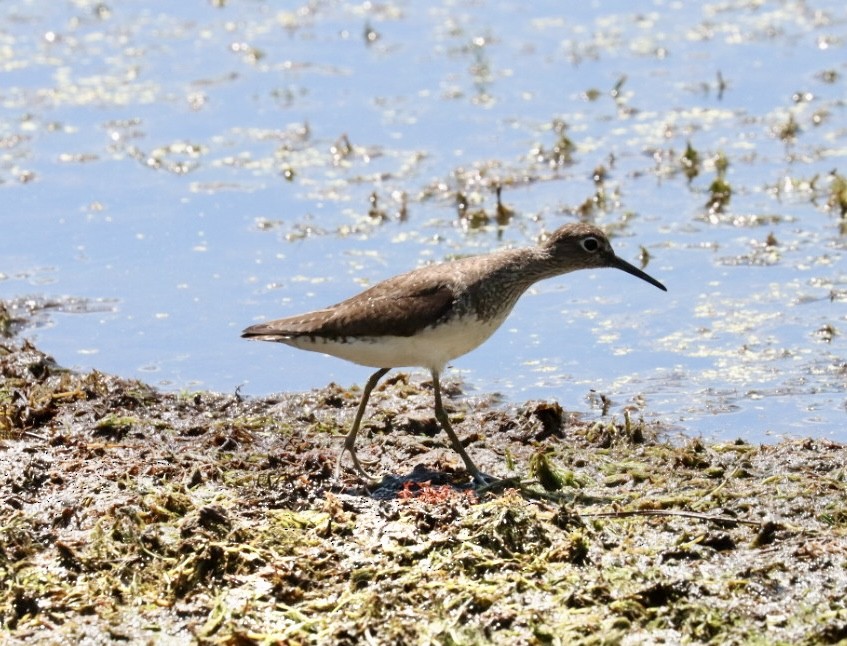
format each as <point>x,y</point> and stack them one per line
<point>135,515</point>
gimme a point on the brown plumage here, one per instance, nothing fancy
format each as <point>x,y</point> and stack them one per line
<point>433,314</point>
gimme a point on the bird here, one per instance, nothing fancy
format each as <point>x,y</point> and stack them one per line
<point>431,315</point>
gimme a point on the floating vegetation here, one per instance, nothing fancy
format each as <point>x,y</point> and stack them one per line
<point>789,130</point>
<point>601,199</point>
<point>837,198</point>
<point>341,150</point>
<point>504,213</point>
<point>374,210</point>
<point>721,85</point>
<point>690,162</point>
<point>561,152</point>
<point>720,192</point>
<point>470,216</point>
<point>826,333</point>
<point>472,212</point>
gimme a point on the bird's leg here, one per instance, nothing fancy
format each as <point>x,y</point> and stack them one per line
<point>441,416</point>
<point>350,440</point>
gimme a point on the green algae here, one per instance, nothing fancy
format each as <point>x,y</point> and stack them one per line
<point>213,518</point>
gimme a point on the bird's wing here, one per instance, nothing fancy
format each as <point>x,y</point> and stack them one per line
<point>382,310</point>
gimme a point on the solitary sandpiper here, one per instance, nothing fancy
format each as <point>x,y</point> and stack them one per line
<point>429,316</point>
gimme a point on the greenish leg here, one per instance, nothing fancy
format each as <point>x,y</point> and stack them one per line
<point>441,416</point>
<point>350,440</point>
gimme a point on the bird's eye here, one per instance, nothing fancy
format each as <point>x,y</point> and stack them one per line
<point>590,244</point>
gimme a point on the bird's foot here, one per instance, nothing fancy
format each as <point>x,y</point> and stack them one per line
<point>364,476</point>
<point>484,482</point>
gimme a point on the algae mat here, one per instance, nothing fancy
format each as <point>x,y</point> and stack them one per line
<point>127,514</point>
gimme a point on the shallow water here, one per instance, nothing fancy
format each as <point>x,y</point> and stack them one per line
<point>187,170</point>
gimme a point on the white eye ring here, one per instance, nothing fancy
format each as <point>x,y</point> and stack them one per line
<point>590,244</point>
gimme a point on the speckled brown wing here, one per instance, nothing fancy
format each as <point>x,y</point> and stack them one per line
<point>384,309</point>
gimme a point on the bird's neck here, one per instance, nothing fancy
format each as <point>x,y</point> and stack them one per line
<point>530,265</point>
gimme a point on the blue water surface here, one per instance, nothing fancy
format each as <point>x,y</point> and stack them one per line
<point>174,172</point>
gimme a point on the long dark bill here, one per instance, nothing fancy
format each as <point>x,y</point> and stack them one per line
<point>623,265</point>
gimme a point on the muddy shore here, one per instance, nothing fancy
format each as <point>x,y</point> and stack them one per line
<point>129,514</point>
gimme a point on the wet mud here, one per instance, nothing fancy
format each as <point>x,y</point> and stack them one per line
<point>135,515</point>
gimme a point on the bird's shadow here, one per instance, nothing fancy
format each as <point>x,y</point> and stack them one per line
<point>423,480</point>
<point>420,478</point>
<point>434,486</point>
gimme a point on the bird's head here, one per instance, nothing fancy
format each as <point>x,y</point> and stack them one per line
<point>584,246</point>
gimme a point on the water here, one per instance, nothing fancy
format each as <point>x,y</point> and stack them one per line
<point>144,150</point>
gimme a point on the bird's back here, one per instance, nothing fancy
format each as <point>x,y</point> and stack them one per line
<point>425,317</point>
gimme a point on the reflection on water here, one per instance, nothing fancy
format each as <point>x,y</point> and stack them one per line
<point>198,167</point>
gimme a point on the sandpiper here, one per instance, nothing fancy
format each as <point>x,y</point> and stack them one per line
<point>429,316</point>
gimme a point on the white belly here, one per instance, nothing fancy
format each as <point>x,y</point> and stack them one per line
<point>430,348</point>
